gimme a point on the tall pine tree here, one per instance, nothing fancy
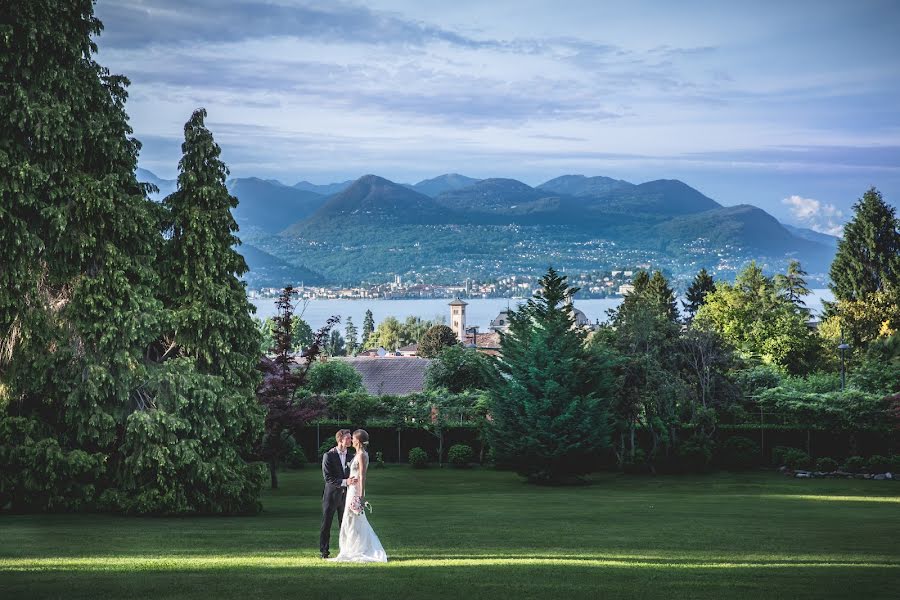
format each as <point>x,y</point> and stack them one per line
<point>212,321</point>
<point>696,293</point>
<point>368,328</point>
<point>792,285</point>
<point>351,336</point>
<point>79,236</point>
<point>868,256</point>
<point>551,409</point>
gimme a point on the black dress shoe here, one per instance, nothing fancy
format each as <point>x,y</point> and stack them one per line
<point>325,555</point>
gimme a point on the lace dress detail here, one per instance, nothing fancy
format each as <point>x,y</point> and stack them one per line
<point>358,542</point>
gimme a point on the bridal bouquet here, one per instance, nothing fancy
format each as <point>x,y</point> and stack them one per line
<point>359,505</point>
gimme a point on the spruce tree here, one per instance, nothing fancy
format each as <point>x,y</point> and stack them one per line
<point>79,236</point>
<point>211,315</point>
<point>696,293</point>
<point>662,296</point>
<point>367,329</point>
<point>351,337</point>
<point>792,285</point>
<point>550,409</point>
<point>868,256</point>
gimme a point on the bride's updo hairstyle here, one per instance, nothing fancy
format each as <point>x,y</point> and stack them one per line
<point>363,436</point>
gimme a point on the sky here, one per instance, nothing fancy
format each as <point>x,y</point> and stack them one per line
<point>790,106</point>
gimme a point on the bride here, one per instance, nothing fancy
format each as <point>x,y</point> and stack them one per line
<point>358,541</point>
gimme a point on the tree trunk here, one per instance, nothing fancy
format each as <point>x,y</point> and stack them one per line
<point>273,473</point>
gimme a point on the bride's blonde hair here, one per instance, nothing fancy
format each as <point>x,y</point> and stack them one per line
<point>363,436</point>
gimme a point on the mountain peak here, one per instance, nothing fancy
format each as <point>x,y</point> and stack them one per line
<point>580,185</point>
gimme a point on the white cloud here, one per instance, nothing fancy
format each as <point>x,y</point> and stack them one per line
<point>818,216</point>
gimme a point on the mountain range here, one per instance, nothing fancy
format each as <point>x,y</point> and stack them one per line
<point>454,226</point>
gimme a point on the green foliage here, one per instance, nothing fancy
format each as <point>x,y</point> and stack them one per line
<point>301,334</point>
<point>354,406</point>
<point>879,369</point>
<point>335,345</point>
<point>435,340</point>
<point>183,454</point>
<point>791,286</point>
<point>418,458</point>
<point>326,446</point>
<point>695,454</point>
<point>460,455</point>
<point>878,464</point>
<point>754,319</point>
<point>332,377</point>
<point>367,329</point>
<point>635,464</point>
<point>826,465</point>
<point>833,411</point>
<point>392,334</point>
<point>795,459</point>
<point>854,464</point>
<point>738,452</point>
<point>379,460</point>
<point>296,458</point>
<point>460,369</point>
<point>551,408</point>
<point>351,337</point>
<point>868,255</point>
<point>753,380</point>
<point>200,268</point>
<point>696,293</point>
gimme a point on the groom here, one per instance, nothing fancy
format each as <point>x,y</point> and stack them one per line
<point>336,471</point>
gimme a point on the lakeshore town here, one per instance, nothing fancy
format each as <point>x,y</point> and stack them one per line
<point>598,284</point>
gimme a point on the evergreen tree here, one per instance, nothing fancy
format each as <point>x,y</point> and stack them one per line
<point>792,285</point>
<point>662,296</point>
<point>696,293</point>
<point>435,340</point>
<point>335,346</point>
<point>211,316</point>
<point>350,335</point>
<point>367,329</point>
<point>550,408</point>
<point>77,302</point>
<point>868,256</point>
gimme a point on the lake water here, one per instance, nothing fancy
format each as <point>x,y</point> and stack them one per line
<point>479,312</point>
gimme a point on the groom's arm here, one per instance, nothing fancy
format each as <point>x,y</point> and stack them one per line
<point>328,472</point>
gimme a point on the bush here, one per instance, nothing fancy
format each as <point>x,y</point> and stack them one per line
<point>826,465</point>
<point>854,464</point>
<point>295,458</point>
<point>326,446</point>
<point>418,458</point>
<point>695,453</point>
<point>739,452</point>
<point>796,459</point>
<point>460,455</point>
<point>895,463</point>
<point>379,460</point>
<point>878,464</point>
<point>636,465</point>
<point>778,455</point>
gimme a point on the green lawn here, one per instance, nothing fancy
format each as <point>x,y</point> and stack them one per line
<point>485,534</point>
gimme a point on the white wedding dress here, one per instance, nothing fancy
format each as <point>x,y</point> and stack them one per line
<point>358,541</point>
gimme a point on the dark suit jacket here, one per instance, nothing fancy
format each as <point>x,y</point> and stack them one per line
<point>332,471</point>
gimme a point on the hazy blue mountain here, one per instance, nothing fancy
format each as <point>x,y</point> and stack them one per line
<point>443,183</point>
<point>269,206</point>
<point>813,236</point>
<point>270,271</point>
<point>663,197</point>
<point>325,190</point>
<point>375,199</point>
<point>166,186</point>
<point>579,185</point>
<point>504,201</point>
<point>746,226</point>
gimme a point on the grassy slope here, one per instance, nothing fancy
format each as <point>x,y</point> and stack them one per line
<point>484,534</point>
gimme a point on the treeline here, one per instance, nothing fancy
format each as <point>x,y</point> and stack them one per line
<point>128,367</point>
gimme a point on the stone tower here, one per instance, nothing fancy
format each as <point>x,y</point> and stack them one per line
<point>458,319</point>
